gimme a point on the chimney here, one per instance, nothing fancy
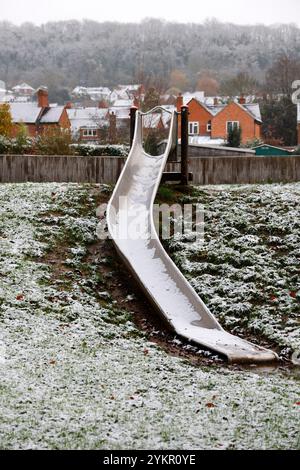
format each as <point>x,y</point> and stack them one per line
<point>216,101</point>
<point>179,102</point>
<point>43,99</point>
<point>102,104</point>
<point>242,99</point>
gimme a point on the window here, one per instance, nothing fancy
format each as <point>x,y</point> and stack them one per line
<point>232,125</point>
<point>89,132</point>
<point>193,128</point>
<point>208,127</point>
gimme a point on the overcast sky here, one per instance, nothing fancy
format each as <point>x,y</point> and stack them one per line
<point>237,11</point>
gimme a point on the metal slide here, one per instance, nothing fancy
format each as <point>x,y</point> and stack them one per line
<point>131,227</point>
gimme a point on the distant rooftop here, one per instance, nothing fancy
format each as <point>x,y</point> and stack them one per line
<point>23,86</point>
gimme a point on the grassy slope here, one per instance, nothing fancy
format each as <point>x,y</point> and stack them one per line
<point>77,371</point>
<point>247,270</point>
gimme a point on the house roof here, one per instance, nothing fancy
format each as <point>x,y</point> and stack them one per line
<point>133,87</point>
<point>24,112</point>
<point>87,117</point>
<point>121,112</point>
<point>52,115</point>
<point>81,90</point>
<point>23,86</point>
<point>253,109</point>
<point>123,103</point>
<point>29,113</point>
<point>198,95</point>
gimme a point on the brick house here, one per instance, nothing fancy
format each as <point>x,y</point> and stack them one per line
<point>39,117</point>
<point>87,124</point>
<point>214,121</point>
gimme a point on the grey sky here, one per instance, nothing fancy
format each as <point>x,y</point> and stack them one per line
<point>237,11</point>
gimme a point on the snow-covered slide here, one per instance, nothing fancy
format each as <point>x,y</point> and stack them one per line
<point>131,226</point>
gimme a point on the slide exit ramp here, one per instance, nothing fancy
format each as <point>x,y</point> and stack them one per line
<point>131,227</point>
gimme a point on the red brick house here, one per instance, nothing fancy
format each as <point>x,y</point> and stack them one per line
<point>39,117</point>
<point>214,121</point>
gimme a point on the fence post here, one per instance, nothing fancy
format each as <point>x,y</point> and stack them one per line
<point>133,111</point>
<point>184,144</point>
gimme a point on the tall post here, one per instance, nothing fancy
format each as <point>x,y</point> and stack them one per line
<point>184,145</point>
<point>133,111</point>
<point>112,128</point>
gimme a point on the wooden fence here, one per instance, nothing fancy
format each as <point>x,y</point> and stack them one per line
<point>206,170</point>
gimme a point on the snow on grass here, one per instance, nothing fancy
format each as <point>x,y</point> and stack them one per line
<point>75,371</point>
<point>247,269</point>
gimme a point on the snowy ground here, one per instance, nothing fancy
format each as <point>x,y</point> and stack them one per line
<point>77,373</point>
<point>248,268</point>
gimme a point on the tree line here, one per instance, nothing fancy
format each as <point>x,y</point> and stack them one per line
<point>186,56</point>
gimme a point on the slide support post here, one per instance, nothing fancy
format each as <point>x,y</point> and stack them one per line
<point>184,144</point>
<point>133,111</point>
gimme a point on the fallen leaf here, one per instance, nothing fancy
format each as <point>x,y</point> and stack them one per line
<point>52,362</point>
<point>146,352</point>
<point>210,405</point>
<point>297,403</point>
<point>20,297</point>
<point>293,294</point>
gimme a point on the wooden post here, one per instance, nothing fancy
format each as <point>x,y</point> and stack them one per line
<point>112,128</point>
<point>133,111</point>
<point>184,145</point>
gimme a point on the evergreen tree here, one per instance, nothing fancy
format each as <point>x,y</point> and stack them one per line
<point>234,137</point>
<point>151,143</point>
<point>279,121</point>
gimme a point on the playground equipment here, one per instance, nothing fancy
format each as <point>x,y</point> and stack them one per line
<point>131,206</point>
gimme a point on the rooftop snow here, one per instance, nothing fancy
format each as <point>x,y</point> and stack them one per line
<point>253,109</point>
<point>198,95</point>
<point>24,112</point>
<point>123,103</point>
<point>121,112</point>
<point>52,115</point>
<point>87,117</point>
<point>23,86</point>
